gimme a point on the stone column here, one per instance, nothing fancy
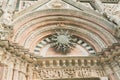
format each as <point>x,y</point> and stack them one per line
<point>30,72</point>
<point>97,4</point>
<point>5,72</point>
<point>10,70</point>
<point>1,71</point>
<point>16,70</point>
<point>1,54</point>
<point>24,70</point>
<point>109,71</point>
<point>116,69</point>
<point>22,73</point>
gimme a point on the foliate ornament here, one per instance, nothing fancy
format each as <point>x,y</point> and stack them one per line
<point>62,41</point>
<point>5,31</point>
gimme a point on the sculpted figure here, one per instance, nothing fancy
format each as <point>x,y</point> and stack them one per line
<point>117,31</point>
<point>115,19</point>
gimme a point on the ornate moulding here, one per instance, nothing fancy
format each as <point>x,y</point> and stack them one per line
<point>41,23</point>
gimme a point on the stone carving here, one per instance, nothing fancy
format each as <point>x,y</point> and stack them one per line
<point>9,10</point>
<point>7,17</point>
<point>112,18</point>
<point>5,31</point>
<point>62,41</point>
<point>68,73</point>
<point>115,19</point>
<point>117,31</point>
<point>25,4</point>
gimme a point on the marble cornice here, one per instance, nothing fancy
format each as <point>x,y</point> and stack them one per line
<point>16,50</point>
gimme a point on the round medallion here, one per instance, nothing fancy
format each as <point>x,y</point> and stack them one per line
<point>62,41</point>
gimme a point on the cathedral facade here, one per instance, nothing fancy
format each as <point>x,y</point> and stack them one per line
<point>59,39</point>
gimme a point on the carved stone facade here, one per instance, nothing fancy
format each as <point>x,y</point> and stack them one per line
<point>59,40</point>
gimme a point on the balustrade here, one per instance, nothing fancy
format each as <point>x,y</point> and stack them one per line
<point>64,62</point>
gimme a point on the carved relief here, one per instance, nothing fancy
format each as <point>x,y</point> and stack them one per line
<point>25,4</point>
<point>117,31</point>
<point>68,73</point>
<point>5,31</point>
<point>62,41</point>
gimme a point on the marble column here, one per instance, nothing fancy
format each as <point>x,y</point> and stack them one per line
<point>10,70</point>
<point>97,4</point>
<point>5,72</point>
<point>109,72</point>
<point>22,73</point>
<point>16,70</point>
<point>116,69</point>
<point>1,54</point>
<point>1,71</point>
<point>30,72</point>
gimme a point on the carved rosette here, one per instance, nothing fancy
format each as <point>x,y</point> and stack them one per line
<point>62,41</point>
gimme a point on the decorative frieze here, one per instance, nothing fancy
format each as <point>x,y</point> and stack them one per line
<point>52,67</point>
<point>59,73</point>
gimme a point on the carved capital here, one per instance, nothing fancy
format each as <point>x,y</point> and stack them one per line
<point>5,31</point>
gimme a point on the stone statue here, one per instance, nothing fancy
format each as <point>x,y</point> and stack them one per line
<point>115,19</point>
<point>117,31</point>
<point>5,31</point>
